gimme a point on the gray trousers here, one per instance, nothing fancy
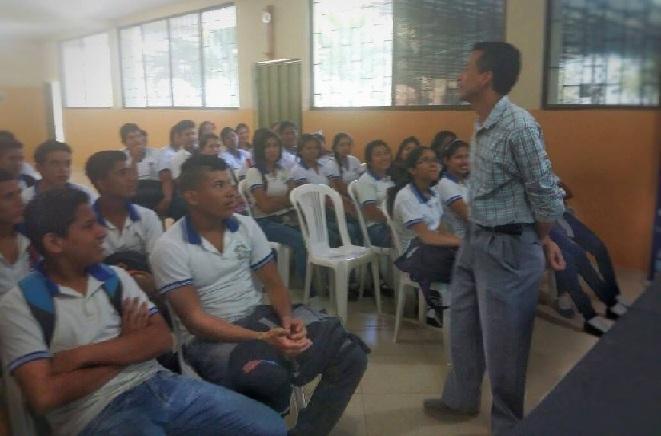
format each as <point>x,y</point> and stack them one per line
<point>494,293</point>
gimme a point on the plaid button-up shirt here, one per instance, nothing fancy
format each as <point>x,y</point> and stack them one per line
<point>511,177</point>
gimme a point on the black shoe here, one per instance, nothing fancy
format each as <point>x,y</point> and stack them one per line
<point>612,315</point>
<point>432,321</point>
<point>437,407</point>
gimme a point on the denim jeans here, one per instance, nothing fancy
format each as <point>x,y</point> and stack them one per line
<point>379,234</point>
<point>289,236</point>
<point>170,404</point>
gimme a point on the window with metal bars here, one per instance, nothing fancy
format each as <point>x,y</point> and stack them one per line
<point>189,60</point>
<point>603,52</point>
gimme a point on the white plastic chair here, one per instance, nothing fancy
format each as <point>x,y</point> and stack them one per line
<point>283,252</point>
<point>404,282</point>
<point>22,422</point>
<point>379,251</point>
<point>310,203</point>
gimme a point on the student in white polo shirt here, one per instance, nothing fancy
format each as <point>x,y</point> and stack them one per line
<point>452,187</point>
<point>347,166</point>
<point>204,264</point>
<point>14,246</point>
<point>182,143</point>
<point>372,192</point>
<point>288,132</point>
<point>53,161</point>
<point>12,160</point>
<point>80,338</point>
<point>144,159</point>
<point>238,159</point>
<point>129,227</point>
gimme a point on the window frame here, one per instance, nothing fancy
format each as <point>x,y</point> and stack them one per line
<point>392,107</point>
<point>63,81</point>
<point>546,79</point>
<point>167,18</point>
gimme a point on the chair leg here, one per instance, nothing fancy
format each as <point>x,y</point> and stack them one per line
<point>422,308</point>
<point>308,283</point>
<point>375,281</point>
<point>341,273</point>
<point>361,280</point>
<point>399,308</point>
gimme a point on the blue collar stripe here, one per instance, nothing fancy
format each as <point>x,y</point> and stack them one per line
<point>193,237</point>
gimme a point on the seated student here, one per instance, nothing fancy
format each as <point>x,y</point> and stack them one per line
<point>429,250</point>
<point>398,171</point>
<point>13,162</point>
<point>372,191</point>
<point>87,363</point>
<point>205,128</point>
<point>144,159</point>
<point>243,131</point>
<point>288,132</point>
<point>268,187</point>
<point>204,264</point>
<point>346,165</point>
<point>452,188</point>
<point>210,146</point>
<point>237,158</point>
<point>182,141</point>
<point>129,227</point>
<point>14,246</point>
<point>53,161</point>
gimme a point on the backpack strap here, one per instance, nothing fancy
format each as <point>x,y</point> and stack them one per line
<point>111,284</point>
<point>39,297</point>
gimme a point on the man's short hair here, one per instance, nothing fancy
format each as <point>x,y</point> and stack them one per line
<point>52,211</point>
<point>101,163</point>
<point>206,137</point>
<point>7,135</point>
<point>5,176</point>
<point>7,144</point>
<point>504,62</point>
<point>128,128</point>
<point>179,128</point>
<point>284,125</point>
<point>45,148</point>
<point>195,168</point>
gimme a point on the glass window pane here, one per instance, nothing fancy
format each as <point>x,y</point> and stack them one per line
<point>156,54</point>
<point>186,63</point>
<point>87,79</point>
<point>133,72</point>
<point>352,52</point>
<point>221,71</point>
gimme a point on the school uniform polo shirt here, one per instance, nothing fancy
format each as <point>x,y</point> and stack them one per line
<point>148,166</point>
<point>302,174</point>
<point>142,228</point>
<point>79,320</point>
<point>350,170</point>
<point>11,273</point>
<point>276,186</point>
<point>451,190</point>
<point>372,189</point>
<point>238,162</point>
<point>288,160</point>
<point>29,193</point>
<point>165,158</point>
<point>223,280</point>
<point>412,207</point>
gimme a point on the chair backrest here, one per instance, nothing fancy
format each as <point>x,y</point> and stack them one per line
<point>241,187</point>
<point>185,368</point>
<point>310,201</point>
<point>353,194</point>
<point>396,242</point>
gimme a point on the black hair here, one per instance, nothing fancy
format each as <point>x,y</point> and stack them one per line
<point>144,132</point>
<point>195,168</point>
<point>179,128</point>
<point>225,132</point>
<point>504,62</point>
<point>440,139</point>
<point>7,135</point>
<point>205,138</point>
<point>307,137</point>
<point>128,128</point>
<point>45,148</point>
<point>7,144</point>
<point>400,149</point>
<point>284,125</point>
<point>101,163</point>
<point>241,126</point>
<point>405,176</point>
<point>336,140</point>
<point>260,140</point>
<point>369,150</point>
<point>201,127</point>
<point>52,211</point>
<point>5,176</point>
<point>449,150</point>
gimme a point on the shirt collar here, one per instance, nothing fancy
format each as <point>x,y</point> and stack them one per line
<point>495,115</point>
<point>100,272</point>
<point>449,176</point>
<point>134,215</point>
<point>419,195</point>
<point>376,177</point>
<point>193,237</point>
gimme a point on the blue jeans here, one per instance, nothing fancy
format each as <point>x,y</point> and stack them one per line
<point>379,234</point>
<point>170,404</point>
<point>289,236</point>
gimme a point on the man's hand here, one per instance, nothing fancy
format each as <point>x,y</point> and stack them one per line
<point>554,256</point>
<point>135,316</point>
<point>297,331</point>
<point>279,338</point>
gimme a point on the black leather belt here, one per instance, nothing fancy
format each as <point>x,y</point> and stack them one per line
<point>515,229</point>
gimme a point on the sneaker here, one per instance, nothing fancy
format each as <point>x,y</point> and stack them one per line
<point>433,319</point>
<point>616,311</point>
<point>623,301</point>
<point>564,306</point>
<point>438,407</point>
<point>597,325</point>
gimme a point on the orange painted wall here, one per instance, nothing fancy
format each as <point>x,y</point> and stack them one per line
<point>23,112</point>
<point>609,158</point>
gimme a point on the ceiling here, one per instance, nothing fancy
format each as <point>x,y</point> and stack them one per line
<point>44,19</point>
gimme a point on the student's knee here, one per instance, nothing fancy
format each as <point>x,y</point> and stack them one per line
<point>266,381</point>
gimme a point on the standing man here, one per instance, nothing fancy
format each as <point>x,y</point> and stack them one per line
<point>514,200</point>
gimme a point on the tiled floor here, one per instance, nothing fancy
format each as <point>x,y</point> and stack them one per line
<point>400,376</point>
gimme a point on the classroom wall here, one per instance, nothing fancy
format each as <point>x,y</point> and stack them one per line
<point>608,157</point>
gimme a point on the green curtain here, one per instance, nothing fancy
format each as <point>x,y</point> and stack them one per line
<point>278,85</point>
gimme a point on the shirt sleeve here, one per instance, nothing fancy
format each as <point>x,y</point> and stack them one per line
<point>261,252</point>
<point>449,191</point>
<point>534,165</point>
<point>163,161</point>
<point>170,267</point>
<point>153,228</point>
<point>297,175</point>
<point>130,289</point>
<point>20,334</point>
<point>254,179</point>
<point>330,168</point>
<point>366,192</point>
<point>407,209</point>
